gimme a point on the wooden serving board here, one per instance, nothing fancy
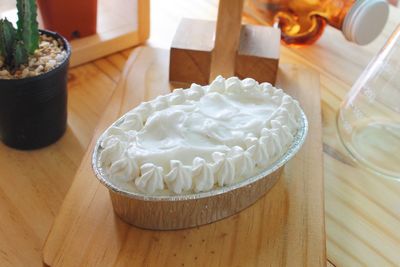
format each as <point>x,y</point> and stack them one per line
<point>284,228</point>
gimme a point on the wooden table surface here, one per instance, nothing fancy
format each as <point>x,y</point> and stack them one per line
<point>362,209</point>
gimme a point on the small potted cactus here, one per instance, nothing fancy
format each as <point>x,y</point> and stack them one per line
<point>33,81</point>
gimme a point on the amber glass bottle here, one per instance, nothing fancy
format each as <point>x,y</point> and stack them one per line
<point>302,22</point>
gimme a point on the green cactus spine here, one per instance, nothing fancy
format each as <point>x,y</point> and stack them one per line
<point>17,44</point>
<point>7,40</point>
<point>20,54</point>
<point>27,24</point>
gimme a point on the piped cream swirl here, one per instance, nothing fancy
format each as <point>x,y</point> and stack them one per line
<point>151,179</point>
<point>224,168</point>
<point>202,175</point>
<point>179,178</point>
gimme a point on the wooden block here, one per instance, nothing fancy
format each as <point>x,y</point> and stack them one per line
<point>226,38</point>
<point>244,51</point>
<point>191,48</point>
<point>191,53</point>
<point>258,54</point>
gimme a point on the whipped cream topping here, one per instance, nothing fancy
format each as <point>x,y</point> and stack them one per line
<point>196,139</point>
<point>202,175</point>
<point>151,178</point>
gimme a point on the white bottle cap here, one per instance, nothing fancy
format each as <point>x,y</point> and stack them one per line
<point>365,21</point>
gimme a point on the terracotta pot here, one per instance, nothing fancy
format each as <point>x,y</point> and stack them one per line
<point>33,110</point>
<point>71,18</point>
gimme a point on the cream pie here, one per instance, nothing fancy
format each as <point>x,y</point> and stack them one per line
<point>201,138</point>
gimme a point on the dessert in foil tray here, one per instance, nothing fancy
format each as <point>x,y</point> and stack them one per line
<point>199,139</point>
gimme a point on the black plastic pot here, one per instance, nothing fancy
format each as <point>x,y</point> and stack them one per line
<point>33,111</point>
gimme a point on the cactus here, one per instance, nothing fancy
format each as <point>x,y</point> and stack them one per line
<point>27,24</point>
<point>20,55</point>
<point>17,44</point>
<point>7,40</point>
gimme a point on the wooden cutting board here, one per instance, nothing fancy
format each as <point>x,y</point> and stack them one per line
<point>284,228</point>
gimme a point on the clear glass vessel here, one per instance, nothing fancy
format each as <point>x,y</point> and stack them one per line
<point>369,118</point>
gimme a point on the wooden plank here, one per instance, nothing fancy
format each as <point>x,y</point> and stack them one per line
<point>122,24</point>
<point>286,227</point>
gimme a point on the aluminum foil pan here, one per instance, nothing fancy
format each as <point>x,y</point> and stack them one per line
<point>190,210</point>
